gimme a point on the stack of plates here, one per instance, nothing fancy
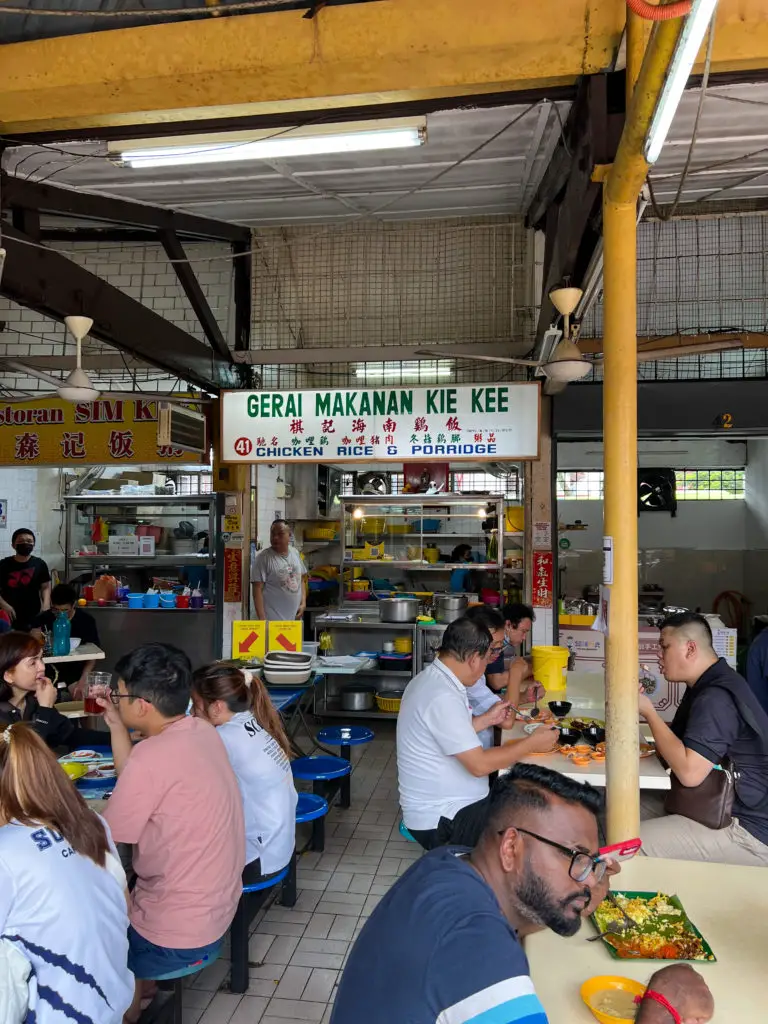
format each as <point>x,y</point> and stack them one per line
<point>404,644</point>
<point>287,668</point>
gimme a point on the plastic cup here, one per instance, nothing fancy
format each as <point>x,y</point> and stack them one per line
<point>98,685</point>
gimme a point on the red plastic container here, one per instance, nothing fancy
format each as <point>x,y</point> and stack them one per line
<point>182,600</point>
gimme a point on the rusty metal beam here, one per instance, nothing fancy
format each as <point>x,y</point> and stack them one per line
<point>174,250</point>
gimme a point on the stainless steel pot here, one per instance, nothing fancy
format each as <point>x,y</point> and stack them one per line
<point>449,607</point>
<point>358,698</point>
<point>398,609</point>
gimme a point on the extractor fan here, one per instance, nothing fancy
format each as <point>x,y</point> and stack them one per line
<point>562,361</point>
<point>77,386</point>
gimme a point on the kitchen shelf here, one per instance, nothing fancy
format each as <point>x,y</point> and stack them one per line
<point>328,710</point>
<point>181,559</point>
<point>429,566</point>
<point>386,672</point>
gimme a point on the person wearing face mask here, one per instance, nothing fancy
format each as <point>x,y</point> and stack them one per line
<point>25,582</point>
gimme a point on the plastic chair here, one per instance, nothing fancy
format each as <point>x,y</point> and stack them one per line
<point>170,1012</point>
<point>326,775</point>
<point>309,808</point>
<point>345,737</point>
<point>251,901</point>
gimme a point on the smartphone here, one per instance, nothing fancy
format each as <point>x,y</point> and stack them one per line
<point>620,851</point>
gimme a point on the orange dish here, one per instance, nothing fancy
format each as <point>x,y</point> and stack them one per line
<point>597,756</point>
<point>583,748</point>
<point>582,761</point>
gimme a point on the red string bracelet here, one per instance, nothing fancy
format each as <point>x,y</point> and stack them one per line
<point>657,997</point>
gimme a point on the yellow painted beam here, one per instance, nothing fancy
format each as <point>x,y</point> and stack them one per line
<point>356,55</point>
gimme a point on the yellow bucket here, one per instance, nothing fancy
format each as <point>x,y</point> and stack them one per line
<point>549,666</point>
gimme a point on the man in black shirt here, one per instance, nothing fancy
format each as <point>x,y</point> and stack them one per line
<point>719,717</point>
<point>82,626</point>
<point>25,582</point>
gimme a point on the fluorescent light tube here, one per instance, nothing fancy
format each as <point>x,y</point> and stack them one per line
<point>688,46</point>
<point>277,148</point>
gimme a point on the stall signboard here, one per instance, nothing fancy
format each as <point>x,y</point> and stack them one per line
<point>107,432</point>
<point>483,422</point>
<point>249,639</point>
<point>233,573</point>
<point>285,636</point>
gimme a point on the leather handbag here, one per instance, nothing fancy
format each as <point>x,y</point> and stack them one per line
<point>711,802</point>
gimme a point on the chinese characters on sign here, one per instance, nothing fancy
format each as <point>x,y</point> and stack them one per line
<point>233,573</point>
<point>52,432</point>
<point>480,422</point>
<point>542,579</point>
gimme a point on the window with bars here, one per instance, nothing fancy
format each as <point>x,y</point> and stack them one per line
<point>690,484</point>
<point>465,481</point>
<point>579,485</point>
<point>710,484</point>
<point>194,483</point>
<point>397,482</point>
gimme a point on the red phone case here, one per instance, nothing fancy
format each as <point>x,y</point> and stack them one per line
<point>621,851</point>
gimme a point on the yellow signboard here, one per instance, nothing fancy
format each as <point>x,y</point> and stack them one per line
<point>233,523</point>
<point>249,639</point>
<point>52,432</point>
<point>286,636</point>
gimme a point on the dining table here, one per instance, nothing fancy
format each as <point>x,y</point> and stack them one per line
<point>586,692</point>
<point>728,905</point>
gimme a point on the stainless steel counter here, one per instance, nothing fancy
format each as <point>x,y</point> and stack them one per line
<point>122,629</point>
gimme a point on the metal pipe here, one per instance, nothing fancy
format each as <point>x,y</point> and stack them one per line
<point>622,187</point>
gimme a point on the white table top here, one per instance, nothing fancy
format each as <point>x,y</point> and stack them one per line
<point>586,690</point>
<point>729,906</point>
<point>85,652</point>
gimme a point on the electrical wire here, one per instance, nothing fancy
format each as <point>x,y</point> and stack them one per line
<point>151,15</point>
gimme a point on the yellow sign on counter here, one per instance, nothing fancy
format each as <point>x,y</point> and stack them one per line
<point>249,639</point>
<point>285,636</point>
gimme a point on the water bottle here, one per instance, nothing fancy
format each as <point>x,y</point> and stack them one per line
<point>61,634</point>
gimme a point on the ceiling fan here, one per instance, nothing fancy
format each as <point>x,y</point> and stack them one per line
<point>77,386</point>
<point>562,361</point>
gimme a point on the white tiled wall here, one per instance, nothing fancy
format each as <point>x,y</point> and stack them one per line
<point>33,502</point>
<point>268,506</point>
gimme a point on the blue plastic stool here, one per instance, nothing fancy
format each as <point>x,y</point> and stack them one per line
<point>345,737</point>
<point>309,808</point>
<point>325,773</point>
<point>251,901</point>
<point>405,833</point>
<point>171,1012</point>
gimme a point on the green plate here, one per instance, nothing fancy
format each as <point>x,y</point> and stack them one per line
<point>675,902</point>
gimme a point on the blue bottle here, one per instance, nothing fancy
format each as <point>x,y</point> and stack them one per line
<point>61,634</point>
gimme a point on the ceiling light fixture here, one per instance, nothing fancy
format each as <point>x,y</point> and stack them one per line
<point>688,46</point>
<point>356,137</point>
<point>409,370</point>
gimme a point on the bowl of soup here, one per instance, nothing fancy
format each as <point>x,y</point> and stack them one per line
<point>611,998</point>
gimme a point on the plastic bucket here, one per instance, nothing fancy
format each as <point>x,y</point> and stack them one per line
<point>135,600</point>
<point>151,600</point>
<point>167,600</point>
<point>182,600</point>
<point>549,667</point>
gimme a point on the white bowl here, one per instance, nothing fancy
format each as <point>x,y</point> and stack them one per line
<point>74,643</point>
<point>279,678</point>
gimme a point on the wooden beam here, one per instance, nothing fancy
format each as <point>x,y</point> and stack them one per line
<point>69,202</point>
<point>174,250</point>
<point>46,281</point>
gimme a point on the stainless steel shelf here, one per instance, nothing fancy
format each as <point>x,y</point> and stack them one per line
<point>429,567</point>
<point>188,559</point>
<point>324,710</point>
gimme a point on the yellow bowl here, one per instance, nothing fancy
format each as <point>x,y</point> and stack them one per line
<point>605,983</point>
<point>75,771</point>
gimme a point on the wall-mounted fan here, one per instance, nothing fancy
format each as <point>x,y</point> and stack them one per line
<point>372,483</point>
<point>656,491</point>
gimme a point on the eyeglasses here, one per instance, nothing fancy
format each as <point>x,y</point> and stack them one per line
<point>116,697</point>
<point>581,863</point>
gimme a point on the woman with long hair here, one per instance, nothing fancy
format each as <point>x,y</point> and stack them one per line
<point>27,695</point>
<point>62,890</point>
<point>237,703</point>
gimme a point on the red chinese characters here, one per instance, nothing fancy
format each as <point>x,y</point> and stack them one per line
<point>542,579</point>
<point>120,444</point>
<point>73,444</point>
<point>27,447</point>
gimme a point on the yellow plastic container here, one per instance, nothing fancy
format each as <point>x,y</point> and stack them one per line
<point>549,666</point>
<point>514,519</point>
<point>75,771</point>
<point>605,983</point>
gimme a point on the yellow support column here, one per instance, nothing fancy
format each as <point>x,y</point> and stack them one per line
<point>622,187</point>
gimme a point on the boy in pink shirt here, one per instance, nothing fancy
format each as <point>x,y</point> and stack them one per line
<point>177,802</point>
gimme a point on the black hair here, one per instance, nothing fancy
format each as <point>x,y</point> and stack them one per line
<point>681,619</point>
<point>515,613</point>
<point>18,533</point>
<point>486,616</point>
<point>458,552</point>
<point>63,593</point>
<point>530,787</point>
<point>161,674</point>
<point>464,637</point>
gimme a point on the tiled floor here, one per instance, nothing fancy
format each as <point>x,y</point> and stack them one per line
<point>301,951</point>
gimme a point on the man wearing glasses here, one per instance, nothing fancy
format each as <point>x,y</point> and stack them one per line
<point>177,801</point>
<point>442,767</point>
<point>443,946</point>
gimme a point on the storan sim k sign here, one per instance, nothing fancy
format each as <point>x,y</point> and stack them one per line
<point>478,422</point>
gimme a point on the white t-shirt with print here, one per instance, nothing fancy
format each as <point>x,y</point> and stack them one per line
<point>69,918</point>
<point>263,774</point>
<point>435,724</point>
<point>281,576</point>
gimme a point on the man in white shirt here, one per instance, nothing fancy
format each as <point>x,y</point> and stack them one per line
<point>442,767</point>
<point>279,577</point>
